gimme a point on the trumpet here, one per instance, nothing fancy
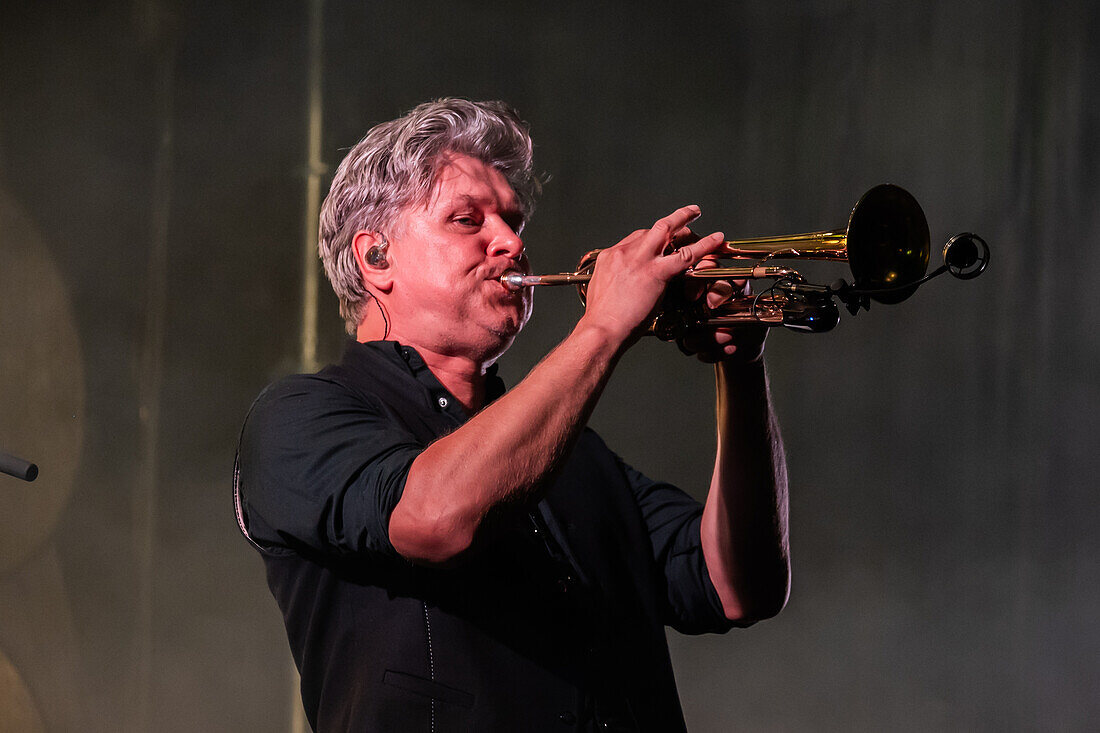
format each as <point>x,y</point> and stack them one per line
<point>886,246</point>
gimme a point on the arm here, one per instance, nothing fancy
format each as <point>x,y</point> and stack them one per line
<point>744,529</point>
<point>504,453</point>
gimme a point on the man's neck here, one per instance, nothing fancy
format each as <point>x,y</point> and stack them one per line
<point>463,376</point>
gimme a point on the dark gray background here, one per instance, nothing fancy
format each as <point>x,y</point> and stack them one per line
<point>942,452</point>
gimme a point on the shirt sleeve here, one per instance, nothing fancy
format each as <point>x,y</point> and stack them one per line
<point>691,603</point>
<point>321,469</point>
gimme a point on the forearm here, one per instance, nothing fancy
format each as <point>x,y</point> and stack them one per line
<point>744,531</point>
<point>504,453</point>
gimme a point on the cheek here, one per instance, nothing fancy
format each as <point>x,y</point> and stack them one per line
<point>449,272</point>
<point>429,276</point>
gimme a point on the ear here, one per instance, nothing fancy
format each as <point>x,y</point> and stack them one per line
<point>380,278</point>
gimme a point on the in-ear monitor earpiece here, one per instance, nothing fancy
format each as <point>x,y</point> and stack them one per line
<point>376,255</point>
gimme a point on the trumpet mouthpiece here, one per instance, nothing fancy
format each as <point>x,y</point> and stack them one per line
<point>513,280</point>
<point>516,280</point>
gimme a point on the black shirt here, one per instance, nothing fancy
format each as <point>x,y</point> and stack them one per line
<point>554,621</point>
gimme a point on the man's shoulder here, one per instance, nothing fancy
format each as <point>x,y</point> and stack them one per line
<point>295,385</point>
<point>296,400</point>
<point>294,391</point>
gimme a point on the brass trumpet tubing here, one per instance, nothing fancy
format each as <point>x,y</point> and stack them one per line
<point>823,245</point>
<point>767,314</point>
<point>515,280</point>
<point>750,272</point>
<point>803,311</point>
<point>563,278</point>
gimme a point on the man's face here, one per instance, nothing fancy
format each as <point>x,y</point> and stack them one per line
<point>447,257</point>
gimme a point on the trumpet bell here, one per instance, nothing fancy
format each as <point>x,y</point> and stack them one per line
<point>888,244</point>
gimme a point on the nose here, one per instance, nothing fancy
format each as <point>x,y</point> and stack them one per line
<point>505,241</point>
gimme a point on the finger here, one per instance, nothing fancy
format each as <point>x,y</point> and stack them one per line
<point>746,343</point>
<point>664,229</point>
<point>689,255</point>
<point>716,355</point>
<point>684,236</point>
<point>726,336</point>
<point>719,292</point>
<point>687,236</point>
<point>696,287</point>
<point>701,342</point>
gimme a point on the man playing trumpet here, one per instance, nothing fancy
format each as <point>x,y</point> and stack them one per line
<point>450,555</point>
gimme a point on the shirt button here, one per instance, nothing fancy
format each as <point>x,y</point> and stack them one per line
<point>443,402</point>
<point>568,718</point>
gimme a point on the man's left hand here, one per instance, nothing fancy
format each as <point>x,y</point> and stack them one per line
<point>740,344</point>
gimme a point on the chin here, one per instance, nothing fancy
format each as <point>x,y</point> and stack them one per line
<point>502,337</point>
<point>512,327</point>
<point>497,331</point>
<point>510,321</point>
<point>508,331</point>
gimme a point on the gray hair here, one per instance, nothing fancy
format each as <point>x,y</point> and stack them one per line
<point>394,167</point>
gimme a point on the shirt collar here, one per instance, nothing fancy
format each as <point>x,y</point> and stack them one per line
<point>370,355</point>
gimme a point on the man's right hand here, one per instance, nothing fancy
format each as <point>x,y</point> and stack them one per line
<point>630,278</point>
